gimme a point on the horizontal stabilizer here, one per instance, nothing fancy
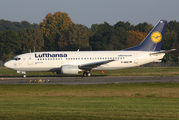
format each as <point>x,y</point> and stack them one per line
<point>162,51</point>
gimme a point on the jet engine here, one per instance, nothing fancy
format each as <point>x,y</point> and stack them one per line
<point>69,69</point>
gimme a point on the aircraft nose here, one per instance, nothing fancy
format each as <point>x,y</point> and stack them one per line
<point>7,64</point>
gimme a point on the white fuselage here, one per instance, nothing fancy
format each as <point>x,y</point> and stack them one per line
<point>52,61</point>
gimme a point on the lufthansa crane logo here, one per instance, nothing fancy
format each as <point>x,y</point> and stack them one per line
<point>156,37</point>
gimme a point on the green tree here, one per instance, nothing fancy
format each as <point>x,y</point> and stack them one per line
<point>75,37</point>
<point>169,39</point>
<point>25,24</point>
<point>10,43</point>
<point>173,25</point>
<point>16,26</point>
<point>53,26</point>
<point>107,37</point>
<point>101,36</point>
<point>31,39</point>
<point>143,27</point>
<point>125,25</point>
<point>121,37</point>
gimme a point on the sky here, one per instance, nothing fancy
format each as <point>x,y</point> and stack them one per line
<point>88,12</point>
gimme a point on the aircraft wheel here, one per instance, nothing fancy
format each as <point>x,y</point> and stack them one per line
<point>24,76</point>
<point>88,74</point>
<point>84,74</point>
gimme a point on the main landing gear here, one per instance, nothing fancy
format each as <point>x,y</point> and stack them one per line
<point>86,74</point>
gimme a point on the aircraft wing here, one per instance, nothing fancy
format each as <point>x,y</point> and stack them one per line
<point>162,51</point>
<point>89,66</point>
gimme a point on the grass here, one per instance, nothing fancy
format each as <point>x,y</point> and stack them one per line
<point>83,102</point>
<point>137,71</point>
<point>105,101</point>
<point>89,108</point>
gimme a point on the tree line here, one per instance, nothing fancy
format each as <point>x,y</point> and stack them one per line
<point>57,32</point>
<point>16,26</point>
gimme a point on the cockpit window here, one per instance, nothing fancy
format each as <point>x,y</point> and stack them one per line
<point>16,58</point>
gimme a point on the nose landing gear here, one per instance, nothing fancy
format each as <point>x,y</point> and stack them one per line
<point>22,72</point>
<point>24,76</point>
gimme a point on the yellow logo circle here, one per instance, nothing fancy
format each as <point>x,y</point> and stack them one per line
<point>156,37</point>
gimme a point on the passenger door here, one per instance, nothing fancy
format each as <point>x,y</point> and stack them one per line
<point>135,58</point>
<point>30,59</point>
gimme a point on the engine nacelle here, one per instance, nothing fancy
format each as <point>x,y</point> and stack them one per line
<point>69,69</point>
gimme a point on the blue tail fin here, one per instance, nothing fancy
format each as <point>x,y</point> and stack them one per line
<point>153,41</point>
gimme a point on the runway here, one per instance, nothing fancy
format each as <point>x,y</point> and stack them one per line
<point>87,80</point>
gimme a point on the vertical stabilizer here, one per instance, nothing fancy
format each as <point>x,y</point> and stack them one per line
<point>153,40</point>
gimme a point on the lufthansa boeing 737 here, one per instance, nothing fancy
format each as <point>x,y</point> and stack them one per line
<point>65,62</point>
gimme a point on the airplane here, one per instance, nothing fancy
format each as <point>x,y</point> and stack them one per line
<point>66,62</point>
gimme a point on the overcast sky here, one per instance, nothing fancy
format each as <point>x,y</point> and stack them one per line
<point>88,12</point>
